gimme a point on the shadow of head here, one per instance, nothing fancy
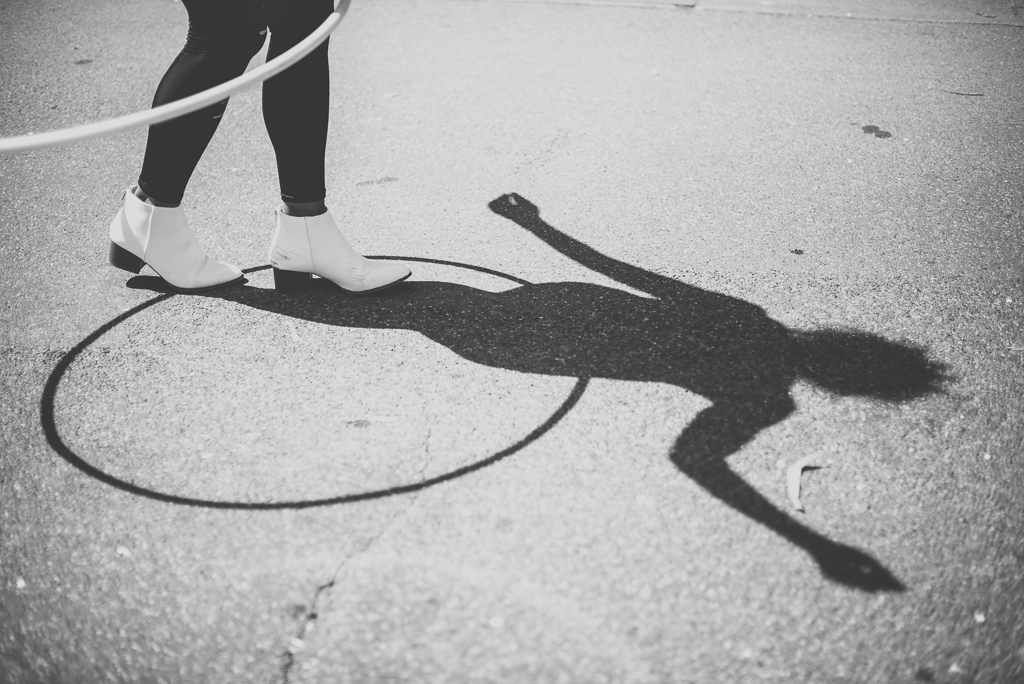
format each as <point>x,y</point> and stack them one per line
<point>852,363</point>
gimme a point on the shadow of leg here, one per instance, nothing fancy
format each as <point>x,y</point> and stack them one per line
<point>721,430</point>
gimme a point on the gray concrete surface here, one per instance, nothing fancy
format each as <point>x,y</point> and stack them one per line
<point>841,164</point>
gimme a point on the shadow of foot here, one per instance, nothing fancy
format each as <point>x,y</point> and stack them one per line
<point>854,568</point>
<point>158,284</point>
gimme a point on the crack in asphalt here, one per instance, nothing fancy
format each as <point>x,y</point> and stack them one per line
<point>546,153</point>
<point>427,458</point>
<point>297,643</point>
<point>310,618</point>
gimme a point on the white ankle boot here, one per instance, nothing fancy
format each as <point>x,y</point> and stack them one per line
<point>304,245</point>
<point>143,234</point>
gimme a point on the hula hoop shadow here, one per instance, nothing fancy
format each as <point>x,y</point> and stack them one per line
<point>49,423</point>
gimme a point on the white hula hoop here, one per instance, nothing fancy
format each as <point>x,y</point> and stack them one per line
<point>181,107</point>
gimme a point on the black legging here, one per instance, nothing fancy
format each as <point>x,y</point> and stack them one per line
<point>223,35</point>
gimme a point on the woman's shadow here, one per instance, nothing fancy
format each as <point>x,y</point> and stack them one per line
<point>723,348</point>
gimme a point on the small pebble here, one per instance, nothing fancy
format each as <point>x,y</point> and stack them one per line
<point>123,552</point>
<point>979,617</point>
<point>295,645</point>
<point>987,456</point>
<point>496,622</point>
<point>20,583</point>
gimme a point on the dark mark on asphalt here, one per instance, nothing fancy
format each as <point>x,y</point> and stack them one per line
<point>83,61</point>
<point>379,181</point>
<point>796,251</point>
<point>879,133</point>
<point>957,92</point>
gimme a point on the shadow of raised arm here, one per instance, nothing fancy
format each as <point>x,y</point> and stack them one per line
<point>521,211</point>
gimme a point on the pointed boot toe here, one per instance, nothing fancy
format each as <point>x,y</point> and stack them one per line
<point>160,237</point>
<point>383,274</point>
<point>210,275</point>
<point>308,245</point>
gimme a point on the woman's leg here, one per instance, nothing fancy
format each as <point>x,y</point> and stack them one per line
<point>151,228</point>
<point>223,36</point>
<point>296,105</point>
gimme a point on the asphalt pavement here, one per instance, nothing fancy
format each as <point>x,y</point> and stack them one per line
<point>661,252</point>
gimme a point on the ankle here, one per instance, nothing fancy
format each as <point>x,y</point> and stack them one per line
<point>138,192</point>
<point>304,208</point>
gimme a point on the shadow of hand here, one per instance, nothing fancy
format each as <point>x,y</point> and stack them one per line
<point>854,568</point>
<point>515,208</point>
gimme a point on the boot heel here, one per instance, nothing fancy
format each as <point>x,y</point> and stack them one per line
<point>123,259</point>
<point>292,281</point>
